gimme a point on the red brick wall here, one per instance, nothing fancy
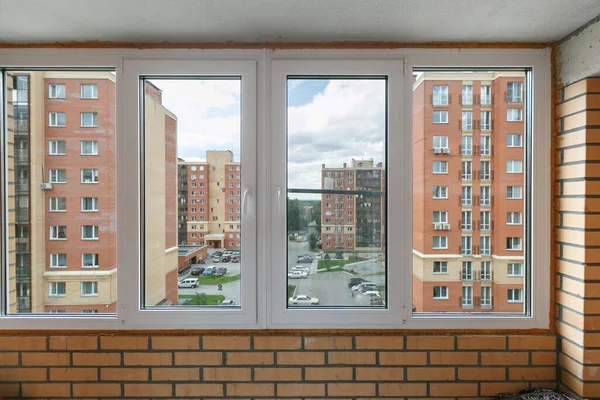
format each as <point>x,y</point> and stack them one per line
<point>170,182</point>
<point>279,366</point>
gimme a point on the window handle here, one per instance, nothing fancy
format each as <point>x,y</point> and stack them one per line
<point>246,199</point>
<point>278,199</point>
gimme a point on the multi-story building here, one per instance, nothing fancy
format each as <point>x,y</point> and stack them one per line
<point>212,201</point>
<point>468,183</point>
<point>355,221</point>
<point>63,188</point>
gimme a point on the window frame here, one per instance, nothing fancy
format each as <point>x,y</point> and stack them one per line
<point>54,143</point>
<point>510,117</point>
<point>82,97</point>
<point>94,119</point>
<point>56,114</point>
<point>442,189</point>
<point>54,86</point>
<point>443,268</point>
<point>537,188</point>
<point>440,120</point>
<point>54,201</point>
<point>94,285</point>
<point>441,162</point>
<point>94,144</point>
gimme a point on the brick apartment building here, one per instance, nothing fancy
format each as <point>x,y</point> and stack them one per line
<point>353,222</point>
<point>468,184</point>
<point>62,193</point>
<point>210,201</point>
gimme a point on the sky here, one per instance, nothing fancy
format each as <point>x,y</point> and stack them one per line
<point>329,122</point>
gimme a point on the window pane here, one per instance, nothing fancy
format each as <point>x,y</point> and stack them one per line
<point>463,244</point>
<point>193,236</point>
<point>48,190</point>
<point>336,191</point>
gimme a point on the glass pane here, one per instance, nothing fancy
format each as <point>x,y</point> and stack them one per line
<point>481,244</point>
<point>46,271</point>
<point>193,192</point>
<point>336,196</point>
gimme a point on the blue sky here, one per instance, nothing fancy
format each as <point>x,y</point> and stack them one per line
<point>329,122</point>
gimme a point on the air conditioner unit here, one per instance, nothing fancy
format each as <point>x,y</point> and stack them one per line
<point>438,227</point>
<point>446,150</point>
<point>46,186</point>
<point>437,150</point>
<point>446,227</point>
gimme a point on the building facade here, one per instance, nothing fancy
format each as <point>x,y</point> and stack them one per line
<point>352,212</point>
<point>468,185</point>
<point>212,201</point>
<point>63,185</point>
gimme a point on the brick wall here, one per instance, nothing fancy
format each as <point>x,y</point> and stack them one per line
<point>578,236</point>
<point>262,366</point>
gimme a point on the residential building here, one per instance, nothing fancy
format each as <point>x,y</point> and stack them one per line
<point>210,207</point>
<point>63,187</point>
<point>468,185</point>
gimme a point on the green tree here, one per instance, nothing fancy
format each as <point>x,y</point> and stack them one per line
<point>294,215</point>
<point>315,214</point>
<point>327,257</point>
<point>312,241</point>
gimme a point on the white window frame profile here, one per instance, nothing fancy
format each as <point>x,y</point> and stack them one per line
<point>54,93</point>
<point>442,267</point>
<point>440,95</point>
<point>94,122</point>
<point>94,95</point>
<point>94,203</point>
<point>466,145</point>
<point>440,192</point>
<point>55,258</point>
<point>440,114</point>
<point>440,142</point>
<point>514,114</point>
<point>441,171</point>
<point>95,232</point>
<point>54,203</point>
<point>442,293</point>
<point>442,242</point>
<point>95,174</point>
<point>511,138</point>
<point>94,145</point>
<point>96,257</point>
<point>259,294</point>
<point>53,175</point>
<point>466,200</point>
<point>514,166</point>
<point>94,287</point>
<point>53,148</point>
<point>53,120</point>
<point>510,296</point>
<point>53,292</point>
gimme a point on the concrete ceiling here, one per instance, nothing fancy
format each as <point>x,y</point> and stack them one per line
<point>39,21</point>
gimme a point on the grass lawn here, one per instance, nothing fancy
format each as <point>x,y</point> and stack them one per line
<point>377,273</point>
<point>202,299</point>
<point>291,290</point>
<point>333,263</point>
<point>215,280</point>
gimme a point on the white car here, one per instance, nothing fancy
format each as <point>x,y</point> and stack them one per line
<point>300,268</point>
<point>365,286</point>
<point>297,274</point>
<point>303,300</point>
<point>371,293</point>
<point>319,256</point>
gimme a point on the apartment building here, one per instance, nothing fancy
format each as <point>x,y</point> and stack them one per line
<point>468,183</point>
<point>210,198</point>
<point>63,188</point>
<point>355,221</point>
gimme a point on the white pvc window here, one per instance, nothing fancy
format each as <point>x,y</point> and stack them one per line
<point>440,192</point>
<point>485,146</point>
<point>486,296</point>
<point>485,170</point>
<point>515,295</point>
<point>467,296</point>
<point>58,204</point>
<point>89,260</point>
<point>440,217</point>
<point>57,147</point>
<point>440,95</point>
<point>89,147</point>
<point>58,119</point>
<point>485,246</point>
<point>514,243</point>
<point>58,232</point>
<point>440,167</point>
<point>514,114</point>
<point>485,198</point>
<point>440,242</point>
<point>467,271</point>
<point>58,260</point>
<point>440,267</point>
<point>440,117</point>
<point>89,91</point>
<point>89,204</point>
<point>440,292</point>
<point>484,220</point>
<point>486,95</point>
<point>89,119</point>
<point>266,214</point>
<point>58,175</point>
<point>514,269</point>
<point>467,170</point>
<point>467,95</point>
<point>89,232</point>
<point>57,289</point>
<point>467,145</point>
<point>514,218</point>
<point>466,247</point>
<point>514,166</point>
<point>486,271</point>
<point>485,124</point>
<point>57,91</point>
<point>467,120</point>
<point>466,198</point>
<point>514,192</point>
<point>89,176</point>
<point>514,92</point>
<point>440,142</point>
<point>89,288</point>
<point>467,221</point>
<point>514,140</point>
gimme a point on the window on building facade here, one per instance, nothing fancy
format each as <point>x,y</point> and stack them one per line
<point>467,121</point>
<point>514,114</point>
<point>515,295</point>
<point>440,95</point>
<point>58,232</point>
<point>89,176</point>
<point>57,119</point>
<point>440,242</point>
<point>89,232</point>
<point>440,117</point>
<point>89,260</point>
<point>89,204</point>
<point>514,166</point>
<point>89,288</point>
<point>89,91</point>
<point>440,167</point>
<point>58,204</point>
<point>467,296</point>
<point>467,145</point>
<point>485,122</point>
<point>485,98</point>
<point>467,95</point>
<point>485,148</point>
<point>514,140</point>
<point>58,175</point>
<point>514,269</point>
<point>89,119</point>
<point>514,92</point>
<point>440,142</point>
<point>514,192</point>
<point>57,91</point>
<point>466,195</point>
<point>440,192</point>
<point>440,267</point>
<point>440,292</point>
<point>57,147</point>
<point>57,289</point>
<point>89,147</point>
<point>58,260</point>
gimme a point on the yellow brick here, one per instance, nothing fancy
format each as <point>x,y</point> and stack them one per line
<point>175,374</point>
<point>327,343</point>
<point>198,389</point>
<point>328,373</point>
<point>301,358</point>
<point>351,389</point>
<point>124,342</point>
<point>253,358</point>
<point>430,343</point>
<point>97,390</point>
<point>402,389</point>
<point>452,358</point>
<point>300,389</point>
<point>124,374</point>
<point>379,374</point>
<point>431,373</point>
<point>226,342</point>
<point>46,390</point>
<point>277,343</point>
<point>250,389</point>
<point>175,343</point>
<point>148,390</point>
<point>504,358</point>
<point>226,374</point>
<point>532,342</point>
<point>277,374</point>
<point>380,342</point>
<point>349,357</point>
<point>198,358</point>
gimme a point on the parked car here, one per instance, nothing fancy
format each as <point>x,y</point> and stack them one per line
<point>235,259</point>
<point>297,274</point>
<point>197,271</point>
<point>217,254</point>
<point>303,300</point>
<point>319,256</point>
<point>188,283</point>
<point>227,303</point>
<point>210,271</point>
<point>355,281</point>
<point>220,271</point>
<point>376,301</point>
<point>216,259</point>
<point>300,268</point>
<point>371,293</point>
<point>225,258</point>
<point>365,286</point>
<point>183,269</point>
